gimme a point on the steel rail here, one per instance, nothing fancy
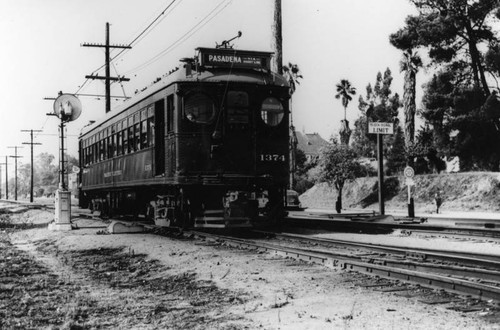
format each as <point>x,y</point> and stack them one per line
<point>459,286</point>
<point>467,258</point>
<point>489,228</point>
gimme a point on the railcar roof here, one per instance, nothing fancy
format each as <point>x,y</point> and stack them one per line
<point>212,75</point>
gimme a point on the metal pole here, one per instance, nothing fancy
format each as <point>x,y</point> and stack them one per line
<point>108,74</point>
<point>380,154</point>
<point>61,165</point>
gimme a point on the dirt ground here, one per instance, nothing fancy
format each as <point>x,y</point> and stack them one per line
<point>88,279</point>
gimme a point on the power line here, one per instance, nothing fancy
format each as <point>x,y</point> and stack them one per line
<point>107,78</point>
<point>130,43</point>
<point>205,20</point>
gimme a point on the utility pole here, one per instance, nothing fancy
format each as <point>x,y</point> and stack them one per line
<point>6,178</point>
<point>32,163</point>
<point>1,176</point>
<point>278,38</point>
<point>107,78</point>
<point>15,168</point>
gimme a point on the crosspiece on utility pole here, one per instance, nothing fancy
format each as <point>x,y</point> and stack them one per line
<point>15,169</point>
<point>32,164</point>
<point>107,78</point>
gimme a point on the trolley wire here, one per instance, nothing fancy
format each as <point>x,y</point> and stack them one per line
<point>140,36</point>
<point>205,20</point>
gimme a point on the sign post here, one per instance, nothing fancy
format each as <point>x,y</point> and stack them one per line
<point>409,173</point>
<point>380,129</point>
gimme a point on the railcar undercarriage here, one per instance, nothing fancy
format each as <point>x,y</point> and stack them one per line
<point>192,206</point>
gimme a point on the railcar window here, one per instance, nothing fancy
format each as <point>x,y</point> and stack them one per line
<point>119,143</point>
<point>125,141</point>
<point>137,138</point>
<point>101,150</point>
<point>199,108</point>
<point>151,131</point>
<point>237,107</point>
<point>170,113</point>
<point>131,139</point>
<point>271,111</point>
<point>144,134</point>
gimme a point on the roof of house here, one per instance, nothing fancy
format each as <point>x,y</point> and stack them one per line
<point>310,143</point>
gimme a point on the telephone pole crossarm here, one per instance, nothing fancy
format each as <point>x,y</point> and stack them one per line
<point>107,77</point>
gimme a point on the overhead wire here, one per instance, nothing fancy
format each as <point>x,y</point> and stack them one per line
<point>205,20</point>
<point>142,34</point>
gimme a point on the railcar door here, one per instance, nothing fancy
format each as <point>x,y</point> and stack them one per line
<point>238,137</point>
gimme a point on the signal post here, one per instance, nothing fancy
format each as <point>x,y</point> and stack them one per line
<point>67,107</point>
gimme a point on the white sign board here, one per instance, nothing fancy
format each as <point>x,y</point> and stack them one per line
<point>380,128</point>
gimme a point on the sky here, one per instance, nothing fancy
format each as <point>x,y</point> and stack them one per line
<point>42,54</point>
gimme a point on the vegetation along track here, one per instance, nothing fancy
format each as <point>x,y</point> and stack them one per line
<point>463,274</point>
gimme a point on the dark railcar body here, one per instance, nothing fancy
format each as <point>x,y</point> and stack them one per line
<point>206,146</point>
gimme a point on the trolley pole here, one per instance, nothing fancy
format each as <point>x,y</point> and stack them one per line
<point>15,168</point>
<point>32,163</point>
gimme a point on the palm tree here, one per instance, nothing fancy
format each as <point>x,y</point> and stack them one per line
<point>292,75</point>
<point>344,92</point>
<point>410,65</point>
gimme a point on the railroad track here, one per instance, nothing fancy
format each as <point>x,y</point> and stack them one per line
<point>459,274</point>
<point>475,275</point>
<point>367,222</point>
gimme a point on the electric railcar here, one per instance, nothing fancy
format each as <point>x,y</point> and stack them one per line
<point>205,146</point>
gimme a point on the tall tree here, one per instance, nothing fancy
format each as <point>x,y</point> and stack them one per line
<point>455,31</point>
<point>406,39</point>
<point>379,104</point>
<point>345,91</point>
<point>410,65</point>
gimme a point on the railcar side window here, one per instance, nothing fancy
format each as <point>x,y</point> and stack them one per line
<point>131,139</point>
<point>199,108</point>
<point>144,134</point>
<point>119,143</point>
<point>271,111</point>
<point>170,113</point>
<point>125,141</point>
<point>237,107</point>
<point>137,138</point>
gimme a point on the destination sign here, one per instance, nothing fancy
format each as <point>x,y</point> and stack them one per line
<point>380,128</point>
<point>223,57</point>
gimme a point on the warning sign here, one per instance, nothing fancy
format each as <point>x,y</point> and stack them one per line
<point>380,128</point>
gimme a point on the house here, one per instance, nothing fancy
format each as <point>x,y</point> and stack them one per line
<point>310,144</point>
